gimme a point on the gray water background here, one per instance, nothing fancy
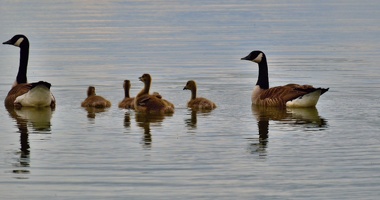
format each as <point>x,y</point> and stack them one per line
<point>233,152</point>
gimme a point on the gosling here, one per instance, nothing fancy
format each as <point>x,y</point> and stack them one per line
<point>197,102</point>
<point>94,100</point>
<point>127,102</point>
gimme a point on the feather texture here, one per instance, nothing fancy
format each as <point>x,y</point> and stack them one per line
<point>16,91</point>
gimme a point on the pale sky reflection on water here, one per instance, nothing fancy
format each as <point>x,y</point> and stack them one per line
<point>235,151</point>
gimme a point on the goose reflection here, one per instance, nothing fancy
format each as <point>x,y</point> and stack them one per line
<point>145,120</point>
<point>191,122</point>
<point>305,118</point>
<point>38,119</point>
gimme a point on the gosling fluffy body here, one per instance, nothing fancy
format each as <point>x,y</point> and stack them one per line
<point>145,102</point>
<point>94,100</point>
<point>197,102</point>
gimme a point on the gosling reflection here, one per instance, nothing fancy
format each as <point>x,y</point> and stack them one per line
<point>92,111</point>
<point>127,120</point>
<point>305,118</point>
<point>191,122</point>
<point>38,119</point>
<point>145,120</point>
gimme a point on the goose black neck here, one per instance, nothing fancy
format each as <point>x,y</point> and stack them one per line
<point>23,67</point>
<point>263,80</point>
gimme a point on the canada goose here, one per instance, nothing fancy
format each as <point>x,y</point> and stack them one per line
<point>197,102</point>
<point>94,100</point>
<point>127,102</point>
<point>145,102</point>
<point>23,93</point>
<point>291,95</point>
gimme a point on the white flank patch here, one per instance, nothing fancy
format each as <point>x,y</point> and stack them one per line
<point>18,42</point>
<point>14,83</point>
<point>39,96</point>
<point>308,100</point>
<point>258,58</point>
<point>255,94</point>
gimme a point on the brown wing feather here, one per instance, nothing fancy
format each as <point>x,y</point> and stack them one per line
<point>153,103</point>
<point>278,96</point>
<point>16,91</point>
<point>166,102</point>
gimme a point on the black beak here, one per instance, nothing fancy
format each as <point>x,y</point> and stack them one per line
<point>245,58</point>
<point>7,42</point>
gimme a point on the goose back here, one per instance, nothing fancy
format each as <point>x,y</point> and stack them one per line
<point>292,95</point>
<point>16,91</point>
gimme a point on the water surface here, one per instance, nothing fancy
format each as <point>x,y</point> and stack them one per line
<point>234,152</point>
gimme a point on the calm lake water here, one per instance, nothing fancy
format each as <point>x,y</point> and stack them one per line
<point>234,152</point>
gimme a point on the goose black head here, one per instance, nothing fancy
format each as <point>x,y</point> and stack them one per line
<point>255,56</point>
<point>18,41</point>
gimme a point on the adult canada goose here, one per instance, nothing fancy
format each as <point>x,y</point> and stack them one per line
<point>197,102</point>
<point>291,95</point>
<point>145,102</point>
<point>94,100</point>
<point>23,93</point>
<point>127,102</point>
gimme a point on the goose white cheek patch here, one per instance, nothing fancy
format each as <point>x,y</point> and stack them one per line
<point>258,58</point>
<point>18,42</point>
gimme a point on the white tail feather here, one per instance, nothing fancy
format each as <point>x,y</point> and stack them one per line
<point>307,100</point>
<point>39,96</point>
